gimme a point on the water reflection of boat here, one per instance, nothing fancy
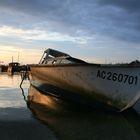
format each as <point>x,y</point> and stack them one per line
<point>72,122</point>
<point>115,85</point>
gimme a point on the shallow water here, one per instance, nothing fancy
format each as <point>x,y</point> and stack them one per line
<point>47,117</point>
<point>16,120</point>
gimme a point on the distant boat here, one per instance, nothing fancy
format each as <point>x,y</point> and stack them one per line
<point>116,85</point>
<point>3,68</point>
<point>13,67</point>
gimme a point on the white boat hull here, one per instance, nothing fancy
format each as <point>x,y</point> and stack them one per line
<point>117,86</point>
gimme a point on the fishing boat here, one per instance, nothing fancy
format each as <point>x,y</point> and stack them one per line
<point>13,67</point>
<point>114,85</point>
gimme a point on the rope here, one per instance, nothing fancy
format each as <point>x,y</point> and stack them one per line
<point>25,75</point>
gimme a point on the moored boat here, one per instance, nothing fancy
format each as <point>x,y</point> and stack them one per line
<point>4,68</point>
<point>115,85</point>
<point>13,67</point>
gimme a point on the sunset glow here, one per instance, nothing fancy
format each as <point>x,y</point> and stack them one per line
<point>97,31</point>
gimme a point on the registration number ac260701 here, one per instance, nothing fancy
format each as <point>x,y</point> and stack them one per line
<point>118,77</point>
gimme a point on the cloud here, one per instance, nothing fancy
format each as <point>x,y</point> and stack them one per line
<point>128,5</point>
<point>118,19</point>
<point>36,34</point>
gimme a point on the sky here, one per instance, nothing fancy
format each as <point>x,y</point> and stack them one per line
<point>97,31</point>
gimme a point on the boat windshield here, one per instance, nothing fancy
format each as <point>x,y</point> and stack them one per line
<point>55,57</point>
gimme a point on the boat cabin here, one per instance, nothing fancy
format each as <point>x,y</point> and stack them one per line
<point>51,56</point>
<point>12,64</point>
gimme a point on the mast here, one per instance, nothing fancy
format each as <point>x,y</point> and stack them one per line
<point>18,58</point>
<point>12,59</point>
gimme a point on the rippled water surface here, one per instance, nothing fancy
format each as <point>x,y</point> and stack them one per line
<point>50,118</point>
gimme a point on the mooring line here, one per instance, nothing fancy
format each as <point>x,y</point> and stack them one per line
<point>24,75</point>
